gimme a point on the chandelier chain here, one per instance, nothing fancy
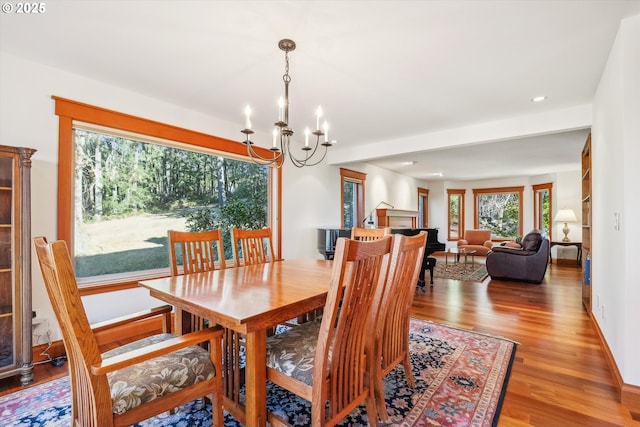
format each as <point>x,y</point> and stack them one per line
<point>286,77</point>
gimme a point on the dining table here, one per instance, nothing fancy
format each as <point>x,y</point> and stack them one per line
<point>249,301</point>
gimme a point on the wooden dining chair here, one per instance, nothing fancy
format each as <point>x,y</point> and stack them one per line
<point>392,325</point>
<point>365,234</point>
<point>133,382</point>
<point>325,361</point>
<point>204,251</point>
<point>256,246</point>
<point>199,251</point>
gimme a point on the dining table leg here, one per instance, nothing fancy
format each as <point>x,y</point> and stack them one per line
<point>256,379</point>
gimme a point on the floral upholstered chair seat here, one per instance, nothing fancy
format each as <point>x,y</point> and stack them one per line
<point>292,352</point>
<point>134,385</point>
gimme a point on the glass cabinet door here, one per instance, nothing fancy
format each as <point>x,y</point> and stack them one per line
<point>7,284</point>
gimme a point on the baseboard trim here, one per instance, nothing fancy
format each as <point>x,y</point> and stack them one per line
<point>106,339</point>
<point>628,394</point>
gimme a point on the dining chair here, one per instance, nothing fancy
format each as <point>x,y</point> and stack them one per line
<point>204,251</point>
<point>200,251</point>
<point>133,382</point>
<point>256,246</point>
<point>360,233</point>
<point>392,325</point>
<point>325,361</point>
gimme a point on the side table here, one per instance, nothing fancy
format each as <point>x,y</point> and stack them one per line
<point>576,244</point>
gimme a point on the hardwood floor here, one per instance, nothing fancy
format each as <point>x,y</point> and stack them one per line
<point>559,377</point>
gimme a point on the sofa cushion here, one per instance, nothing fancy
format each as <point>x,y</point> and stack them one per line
<point>512,245</point>
<point>531,242</point>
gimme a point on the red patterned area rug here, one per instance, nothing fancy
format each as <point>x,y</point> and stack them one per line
<point>461,378</point>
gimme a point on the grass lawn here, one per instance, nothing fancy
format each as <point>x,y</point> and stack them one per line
<point>126,244</point>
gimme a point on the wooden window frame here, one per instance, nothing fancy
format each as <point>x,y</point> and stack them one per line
<point>69,111</point>
<point>359,178</point>
<point>536,207</point>
<point>460,193</point>
<point>479,191</point>
<point>423,206</point>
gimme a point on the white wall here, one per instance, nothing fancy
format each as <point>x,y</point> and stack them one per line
<point>615,148</point>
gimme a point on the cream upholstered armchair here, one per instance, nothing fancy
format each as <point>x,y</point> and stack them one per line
<point>478,240</point>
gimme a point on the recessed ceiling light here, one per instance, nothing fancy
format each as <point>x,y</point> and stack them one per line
<point>410,163</point>
<point>538,98</point>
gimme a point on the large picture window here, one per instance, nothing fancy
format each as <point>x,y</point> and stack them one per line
<point>124,181</point>
<point>499,210</point>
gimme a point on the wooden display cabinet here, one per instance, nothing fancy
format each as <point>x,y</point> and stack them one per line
<point>15,263</point>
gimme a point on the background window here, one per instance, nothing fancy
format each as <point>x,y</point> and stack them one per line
<point>456,214</point>
<point>352,197</point>
<point>499,210</point>
<point>423,207</point>
<point>542,208</point>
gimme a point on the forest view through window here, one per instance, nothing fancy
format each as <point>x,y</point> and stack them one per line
<point>500,211</point>
<point>128,193</point>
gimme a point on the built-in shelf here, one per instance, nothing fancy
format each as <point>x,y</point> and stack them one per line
<point>586,224</point>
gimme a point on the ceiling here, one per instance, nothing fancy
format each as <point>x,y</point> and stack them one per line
<point>398,80</point>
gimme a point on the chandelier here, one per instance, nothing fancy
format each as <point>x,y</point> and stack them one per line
<point>281,147</point>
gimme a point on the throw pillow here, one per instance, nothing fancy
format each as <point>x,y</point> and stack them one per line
<point>531,242</point>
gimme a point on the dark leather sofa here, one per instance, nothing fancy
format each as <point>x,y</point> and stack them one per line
<point>527,263</point>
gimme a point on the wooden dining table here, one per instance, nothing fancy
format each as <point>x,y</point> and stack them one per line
<point>249,300</point>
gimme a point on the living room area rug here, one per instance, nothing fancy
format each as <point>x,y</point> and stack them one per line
<point>460,271</point>
<point>461,378</point>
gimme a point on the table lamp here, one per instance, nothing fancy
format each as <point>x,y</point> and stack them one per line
<point>565,215</point>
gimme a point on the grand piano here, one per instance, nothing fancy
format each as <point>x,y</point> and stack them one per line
<point>327,238</point>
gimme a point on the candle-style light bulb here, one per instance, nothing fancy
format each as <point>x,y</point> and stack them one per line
<point>318,115</point>
<point>247,118</point>
<point>281,109</point>
<point>325,130</point>
<point>275,136</point>
<point>307,132</point>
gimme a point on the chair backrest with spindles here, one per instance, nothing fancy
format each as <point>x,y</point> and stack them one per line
<point>366,234</point>
<point>200,250</point>
<point>91,394</point>
<point>252,246</point>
